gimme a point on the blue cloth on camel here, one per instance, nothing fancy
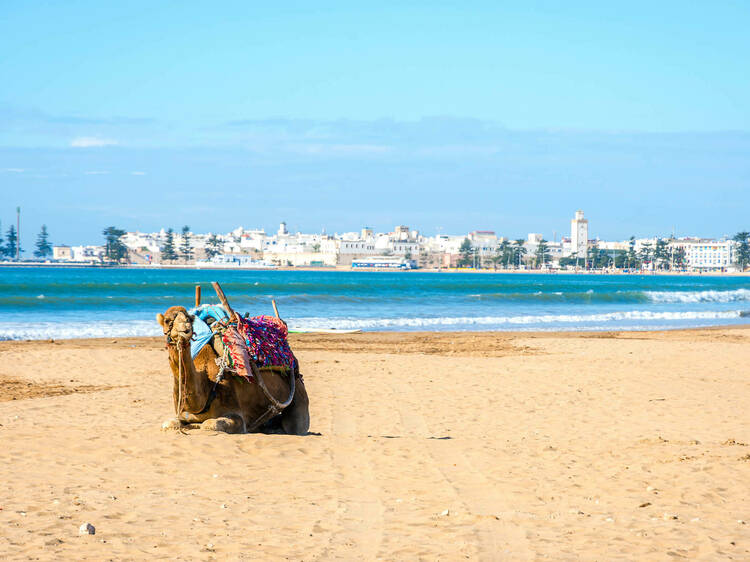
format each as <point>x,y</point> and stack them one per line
<point>203,333</point>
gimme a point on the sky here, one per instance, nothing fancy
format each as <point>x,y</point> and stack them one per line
<point>445,116</point>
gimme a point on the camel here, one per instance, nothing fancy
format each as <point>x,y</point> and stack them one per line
<point>237,406</point>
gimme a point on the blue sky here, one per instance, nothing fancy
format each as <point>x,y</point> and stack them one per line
<point>452,116</point>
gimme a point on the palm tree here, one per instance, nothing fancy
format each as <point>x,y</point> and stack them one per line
<point>495,259</point>
<point>743,249</point>
<point>466,253</point>
<point>542,254</point>
<point>519,251</point>
<point>505,253</point>
<point>592,255</point>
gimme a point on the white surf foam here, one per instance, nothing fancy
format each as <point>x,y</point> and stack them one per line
<point>736,295</point>
<point>427,323</point>
<point>72,330</point>
<point>139,328</point>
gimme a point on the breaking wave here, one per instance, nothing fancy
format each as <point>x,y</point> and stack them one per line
<point>76,330</point>
<point>736,295</point>
<point>146,328</point>
<point>488,322</point>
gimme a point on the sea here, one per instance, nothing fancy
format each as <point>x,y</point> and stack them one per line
<point>56,303</point>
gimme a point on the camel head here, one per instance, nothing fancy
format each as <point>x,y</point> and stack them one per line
<point>177,324</point>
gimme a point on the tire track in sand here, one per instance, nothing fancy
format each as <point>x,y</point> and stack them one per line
<point>359,532</point>
<point>473,490</point>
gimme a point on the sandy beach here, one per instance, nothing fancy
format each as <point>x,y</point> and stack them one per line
<point>434,446</point>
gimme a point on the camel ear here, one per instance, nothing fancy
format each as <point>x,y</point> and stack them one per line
<point>160,319</point>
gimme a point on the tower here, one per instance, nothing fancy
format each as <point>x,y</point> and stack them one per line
<point>579,235</point>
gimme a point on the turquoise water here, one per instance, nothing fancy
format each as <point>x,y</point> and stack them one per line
<point>38,303</point>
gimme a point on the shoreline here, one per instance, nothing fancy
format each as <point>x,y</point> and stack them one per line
<point>404,336</point>
<point>347,269</point>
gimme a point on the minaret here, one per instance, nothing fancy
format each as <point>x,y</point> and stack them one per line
<point>579,235</point>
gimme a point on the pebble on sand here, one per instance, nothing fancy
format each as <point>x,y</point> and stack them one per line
<point>86,529</point>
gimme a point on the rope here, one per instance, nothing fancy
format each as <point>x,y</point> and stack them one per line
<point>275,407</point>
<point>180,397</point>
<point>178,406</point>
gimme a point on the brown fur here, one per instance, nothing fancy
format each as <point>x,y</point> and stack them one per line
<point>238,403</point>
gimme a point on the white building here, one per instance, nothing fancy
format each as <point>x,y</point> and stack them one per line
<point>62,253</point>
<point>350,249</point>
<point>78,254</point>
<point>555,252</point>
<point>144,241</point>
<point>534,238</point>
<point>622,246</point>
<point>443,244</point>
<point>579,235</point>
<point>88,253</point>
<point>401,241</point>
<point>706,254</point>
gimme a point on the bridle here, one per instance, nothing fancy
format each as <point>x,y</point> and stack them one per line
<point>182,383</point>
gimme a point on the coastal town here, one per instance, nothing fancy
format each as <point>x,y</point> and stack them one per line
<point>404,248</point>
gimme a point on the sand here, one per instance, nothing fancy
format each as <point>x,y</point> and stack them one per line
<point>605,446</point>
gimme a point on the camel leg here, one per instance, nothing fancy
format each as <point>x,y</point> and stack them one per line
<point>172,424</point>
<point>295,420</point>
<point>228,424</point>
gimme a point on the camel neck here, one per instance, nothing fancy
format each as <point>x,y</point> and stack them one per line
<point>195,384</point>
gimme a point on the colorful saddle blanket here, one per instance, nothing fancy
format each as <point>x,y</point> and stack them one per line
<point>262,339</point>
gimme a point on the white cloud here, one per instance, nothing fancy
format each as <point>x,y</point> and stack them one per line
<point>88,142</point>
<point>137,173</point>
<point>96,173</point>
<point>14,170</point>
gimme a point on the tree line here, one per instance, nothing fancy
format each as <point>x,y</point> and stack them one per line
<point>509,254</point>
<point>170,252</point>
<point>11,249</point>
<point>660,256</point>
<point>116,251</point>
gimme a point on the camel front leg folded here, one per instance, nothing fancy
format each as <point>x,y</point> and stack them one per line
<point>172,424</point>
<point>226,424</point>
